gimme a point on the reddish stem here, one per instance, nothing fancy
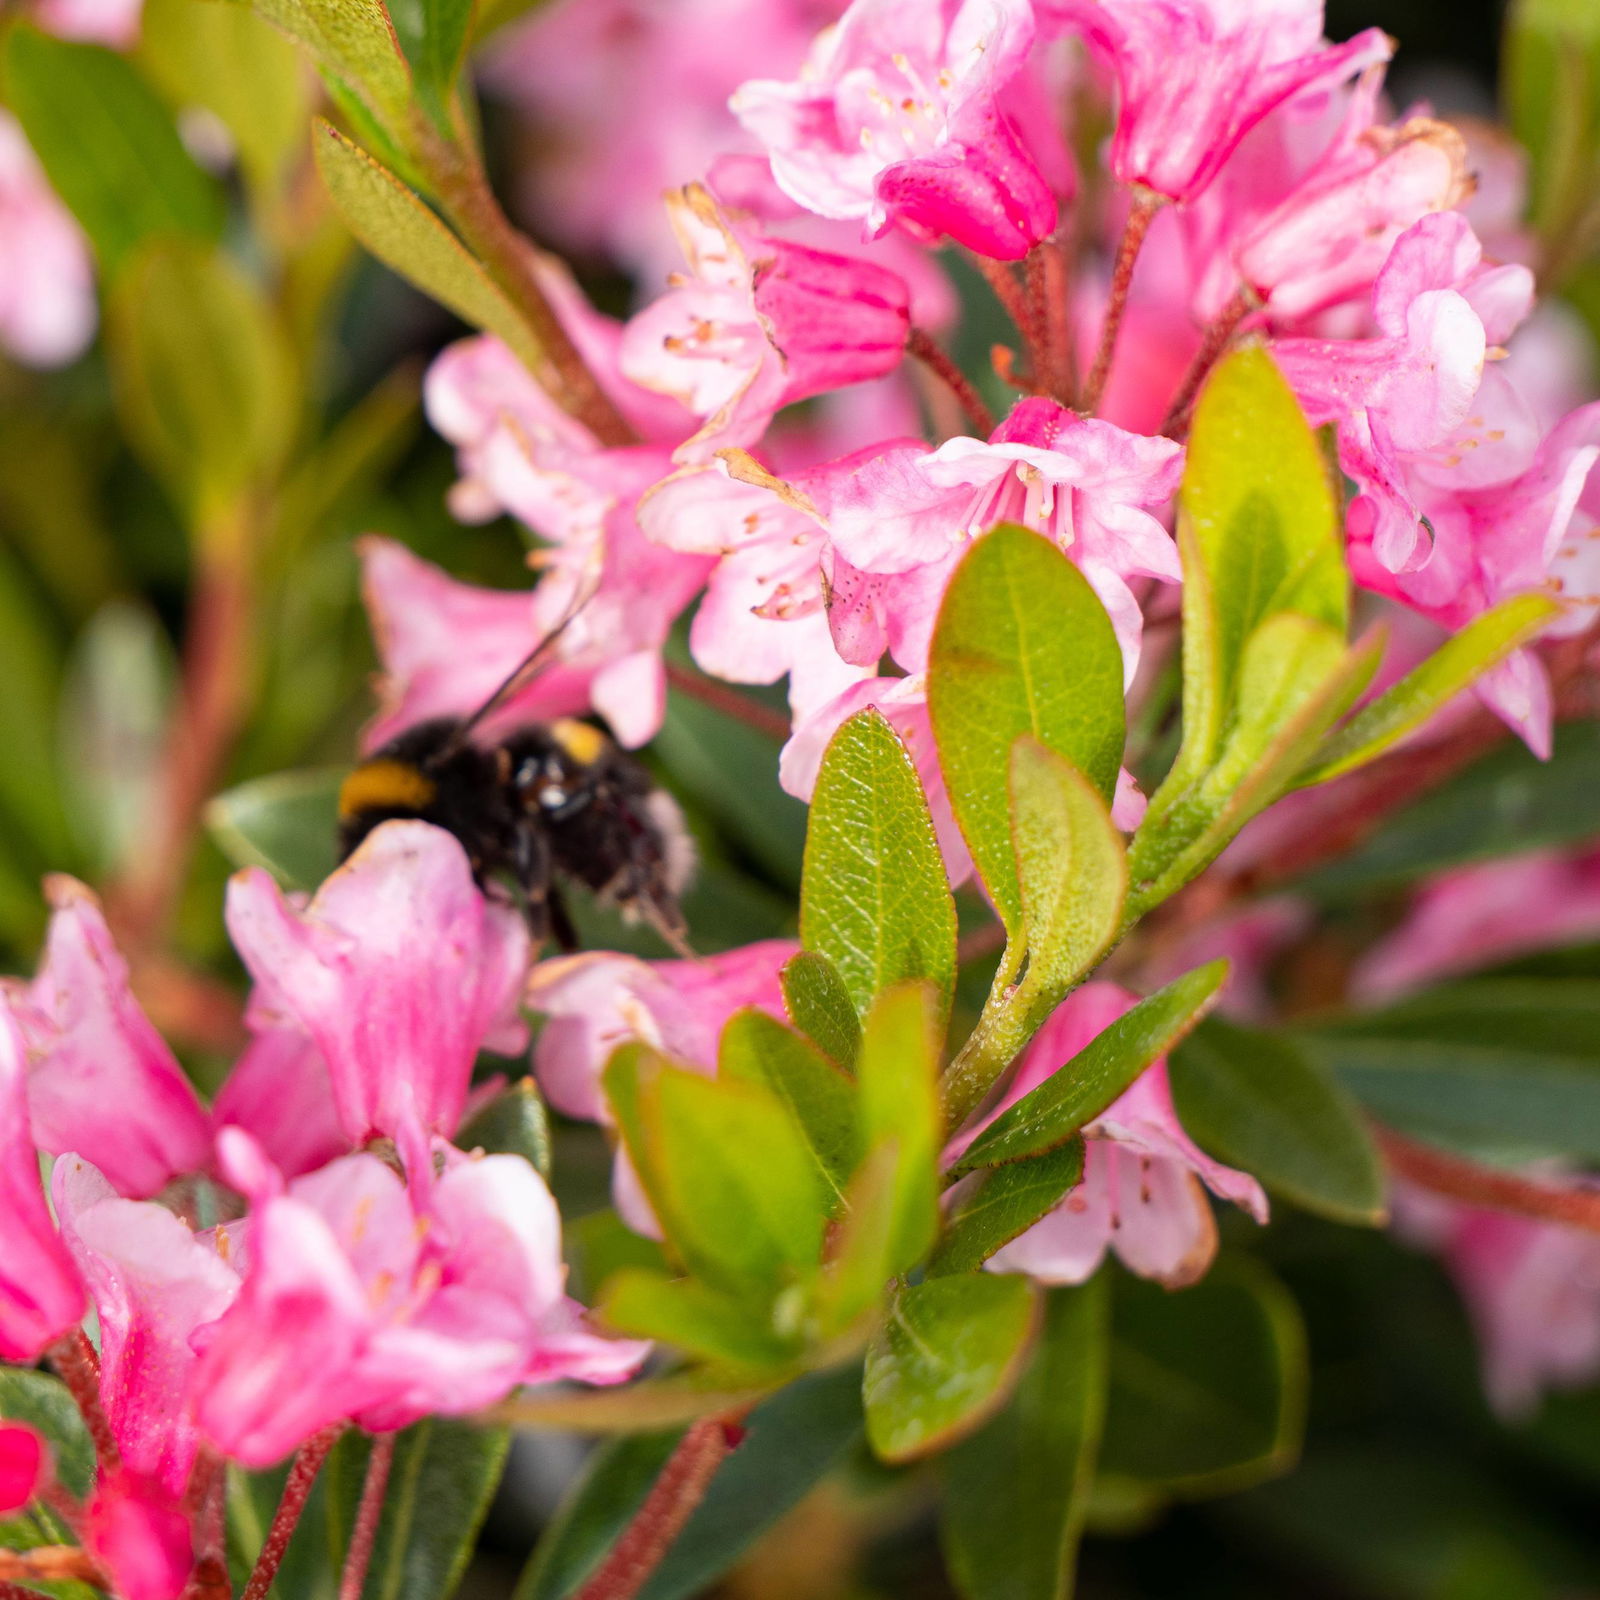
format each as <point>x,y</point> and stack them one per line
<point>1141,214</point>
<point>15,1591</point>
<point>680,1488</point>
<point>1460,1179</point>
<point>51,1563</point>
<point>74,1359</point>
<point>1217,339</point>
<point>709,692</point>
<point>1003,281</point>
<point>291,1503</point>
<point>1052,261</point>
<point>923,346</point>
<point>368,1515</point>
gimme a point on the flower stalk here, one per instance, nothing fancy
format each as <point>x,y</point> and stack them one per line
<point>1141,213</point>
<point>302,1478</point>
<point>369,1514</point>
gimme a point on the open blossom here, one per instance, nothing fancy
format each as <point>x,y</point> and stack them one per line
<point>1196,75</point>
<point>101,1081</point>
<point>139,1537</point>
<point>902,114</point>
<point>1140,1194</point>
<point>399,970</point>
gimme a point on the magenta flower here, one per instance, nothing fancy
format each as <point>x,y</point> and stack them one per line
<point>101,1080</point>
<point>399,970</point>
<point>1195,76</point>
<point>40,1295</point>
<point>139,1538</point>
<point>901,116</point>
<point>24,1466</point>
<point>280,1092</point>
<point>1141,1193</point>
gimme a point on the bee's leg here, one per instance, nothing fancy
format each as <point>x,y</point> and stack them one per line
<point>561,928</point>
<point>530,861</point>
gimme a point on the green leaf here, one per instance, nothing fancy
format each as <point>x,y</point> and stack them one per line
<point>287,823</point>
<point>1022,646</point>
<point>999,1205</point>
<point>444,1475</point>
<point>600,1244</point>
<point>1484,642</point>
<point>1505,1067</point>
<point>1002,1544</point>
<point>203,375</point>
<point>668,1402</point>
<point>353,42</point>
<point>874,897</point>
<point>1258,1102</point>
<point>899,1109</point>
<point>406,236</point>
<point>434,34</point>
<point>945,1360</point>
<point>757,1049</point>
<point>513,1123</point>
<point>108,146</point>
<point>44,1403</point>
<point>819,1005</point>
<point>1083,1087</point>
<point>694,1317</point>
<point>863,1250</point>
<point>1207,1385</point>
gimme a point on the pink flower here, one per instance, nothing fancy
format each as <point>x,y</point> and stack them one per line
<point>47,304</point>
<point>40,1296</point>
<point>369,1299</point>
<point>1196,75</point>
<point>24,1466</point>
<point>280,1093</point>
<point>1141,1192</point>
<point>902,115</point>
<point>399,970</point>
<point>139,1538</point>
<point>759,324</point>
<point>111,22</point>
<point>153,1282</point>
<point>102,1082</point>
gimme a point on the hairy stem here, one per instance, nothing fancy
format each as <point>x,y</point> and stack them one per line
<point>1003,281</point>
<point>291,1503</point>
<point>1001,1032</point>
<point>1141,214</point>
<point>1052,261</point>
<point>680,1488</point>
<point>1217,338</point>
<point>368,1515</point>
<point>922,345</point>
<point>50,1563</point>
<point>78,1366</point>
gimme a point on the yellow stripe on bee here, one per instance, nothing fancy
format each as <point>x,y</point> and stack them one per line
<point>386,786</point>
<point>583,744</point>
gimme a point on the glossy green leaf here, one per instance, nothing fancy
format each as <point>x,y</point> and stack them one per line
<point>691,1316</point>
<point>755,1048</point>
<point>600,1244</point>
<point>1022,646</point>
<point>1084,1086</point>
<point>1015,1492</point>
<point>874,899</point>
<point>1258,1102</point>
<point>287,823</point>
<point>1464,657</point>
<point>406,236</point>
<point>514,1123</point>
<point>1002,1203</point>
<point>819,1005</point>
<point>1207,1385</point>
<point>669,1402</point>
<point>44,1403</point>
<point>108,145</point>
<point>899,1109</point>
<point>863,1249</point>
<point>203,376</point>
<point>433,34</point>
<point>354,44</point>
<point>946,1358</point>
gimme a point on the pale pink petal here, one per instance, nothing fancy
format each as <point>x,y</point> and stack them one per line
<point>140,1537</point>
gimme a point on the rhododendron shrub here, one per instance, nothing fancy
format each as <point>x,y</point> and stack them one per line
<point>1066,533</point>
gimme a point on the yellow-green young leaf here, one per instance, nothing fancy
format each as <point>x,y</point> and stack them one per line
<point>1083,1087</point>
<point>691,1316</point>
<point>239,68</point>
<point>433,34</point>
<point>874,898</point>
<point>755,1048</point>
<point>352,41</point>
<point>1022,646</point>
<point>203,375</point>
<point>861,1253</point>
<point>999,1205</point>
<point>108,145</point>
<point>409,238</point>
<point>946,1358</point>
<point>667,1402</point>
<point>1003,1544</point>
<point>819,1005</point>
<point>898,1092</point>
<point>1483,643</point>
<point>1071,870</point>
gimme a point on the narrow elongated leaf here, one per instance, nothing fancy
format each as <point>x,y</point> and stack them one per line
<point>1464,657</point>
<point>44,1403</point>
<point>353,41</point>
<point>670,1402</point>
<point>755,1048</point>
<point>513,1123</point>
<point>1006,1545</point>
<point>874,899</point>
<point>692,1316</point>
<point>819,1006</point>
<point>108,146</point>
<point>433,34</point>
<point>287,823</point>
<point>407,237</point>
<point>1022,646</point>
<point>1258,1102</point>
<point>863,1249</point>
<point>946,1359</point>
<point>999,1205</point>
<point>1083,1087</point>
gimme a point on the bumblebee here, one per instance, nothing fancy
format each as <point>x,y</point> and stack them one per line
<point>550,804</point>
